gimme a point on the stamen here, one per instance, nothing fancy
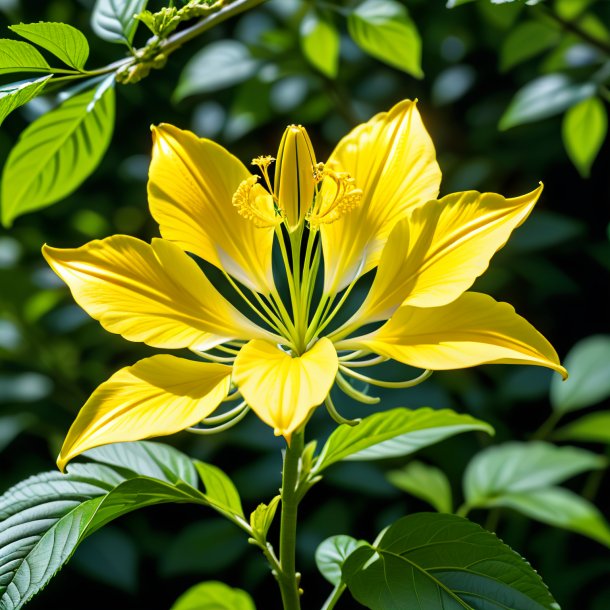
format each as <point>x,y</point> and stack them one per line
<point>352,392</point>
<point>263,163</point>
<point>385,384</point>
<point>362,363</point>
<point>222,427</point>
<point>224,417</point>
<point>332,411</point>
<point>256,204</point>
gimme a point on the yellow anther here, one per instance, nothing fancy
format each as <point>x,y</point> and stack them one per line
<point>255,203</point>
<point>263,162</point>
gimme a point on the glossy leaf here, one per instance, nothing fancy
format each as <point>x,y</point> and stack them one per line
<point>219,489</point>
<point>17,56</point>
<point>320,43</point>
<point>213,595</point>
<point>113,20</point>
<point>332,553</point>
<point>64,41</point>
<point>424,482</point>
<point>17,94</point>
<point>384,30</point>
<point>525,41</point>
<point>262,516</point>
<point>588,364</point>
<point>443,562</point>
<point>394,433</point>
<point>593,428</point>
<point>57,152</point>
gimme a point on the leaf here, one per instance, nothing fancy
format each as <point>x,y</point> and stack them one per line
<point>454,3</point>
<point>57,152</point>
<point>217,66</point>
<point>17,56</point>
<point>594,428</point>
<point>394,433</point>
<point>426,483</point>
<point>320,42</point>
<point>384,30</point>
<point>521,467</point>
<point>262,517</point>
<point>525,41</point>
<point>544,97</point>
<point>560,508</point>
<point>332,553</point>
<point>219,489</point>
<point>17,94</point>
<point>213,595</point>
<point>64,41</point>
<point>443,562</point>
<point>113,20</point>
<point>584,130</point>
<point>588,364</point>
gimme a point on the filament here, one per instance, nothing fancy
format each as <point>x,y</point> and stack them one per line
<point>222,427</point>
<point>332,411</point>
<point>386,384</point>
<point>348,389</point>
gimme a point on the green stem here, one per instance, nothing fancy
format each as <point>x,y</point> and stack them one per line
<point>334,597</point>
<point>547,426</point>
<point>288,578</point>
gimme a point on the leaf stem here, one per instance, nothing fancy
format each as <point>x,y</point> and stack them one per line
<point>337,592</point>
<point>547,426</point>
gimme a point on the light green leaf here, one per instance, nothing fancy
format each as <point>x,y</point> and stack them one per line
<point>426,483</point>
<point>394,433</point>
<point>57,152</point>
<point>525,41</point>
<point>113,20</point>
<point>219,489</point>
<point>443,562</point>
<point>454,3</point>
<point>593,428</point>
<point>570,10</point>
<point>332,553</point>
<point>320,43</point>
<point>588,364</point>
<point>384,30</point>
<point>17,94</point>
<point>584,130</point>
<point>64,41</point>
<point>213,595</point>
<point>521,467</point>
<point>262,517</point>
<point>17,56</point>
<point>544,97</point>
<point>218,65</point>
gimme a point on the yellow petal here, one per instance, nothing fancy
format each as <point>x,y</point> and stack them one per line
<point>392,160</point>
<point>156,294</point>
<point>474,329</point>
<point>154,397</point>
<point>191,186</point>
<point>283,389</point>
<point>437,252</point>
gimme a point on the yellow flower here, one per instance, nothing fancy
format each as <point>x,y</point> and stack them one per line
<point>372,205</point>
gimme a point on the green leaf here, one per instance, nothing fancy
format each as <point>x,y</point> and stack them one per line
<point>384,30</point>
<point>213,595</point>
<point>332,553</point>
<point>219,65</point>
<point>594,428</point>
<point>17,56</point>
<point>262,517</point>
<point>454,3</point>
<point>443,562</point>
<point>525,41</point>
<point>560,508</point>
<point>219,489</point>
<point>521,467</point>
<point>584,130</point>
<point>588,364</point>
<point>57,152</point>
<point>544,97</point>
<point>17,94</point>
<point>426,483</point>
<point>320,42</point>
<point>394,433</point>
<point>114,21</point>
<point>64,41</point>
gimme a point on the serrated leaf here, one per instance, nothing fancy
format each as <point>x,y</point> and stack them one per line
<point>213,595</point>
<point>262,517</point>
<point>525,41</point>
<point>219,489</point>
<point>57,152</point>
<point>320,42</point>
<point>64,41</point>
<point>394,433</point>
<point>520,467</point>
<point>588,363</point>
<point>426,483</point>
<point>584,130</point>
<point>443,562</point>
<point>544,97</point>
<point>384,30</point>
<point>332,553</point>
<point>17,94</point>
<point>113,20</point>
<point>593,428</point>
<point>17,56</point>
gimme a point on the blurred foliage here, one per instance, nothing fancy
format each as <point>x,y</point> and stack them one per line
<point>512,93</point>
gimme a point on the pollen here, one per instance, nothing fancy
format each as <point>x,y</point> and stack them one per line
<point>256,204</point>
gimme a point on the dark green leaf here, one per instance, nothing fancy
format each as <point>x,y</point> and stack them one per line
<point>320,43</point>
<point>594,428</point>
<point>17,94</point>
<point>219,489</point>
<point>213,595</point>
<point>17,56</point>
<point>332,553</point>
<point>113,20</point>
<point>526,40</point>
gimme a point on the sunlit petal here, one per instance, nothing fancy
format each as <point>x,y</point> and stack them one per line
<point>282,389</point>
<point>392,160</point>
<point>191,186</point>
<point>156,294</point>
<point>154,397</point>
<point>474,329</point>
